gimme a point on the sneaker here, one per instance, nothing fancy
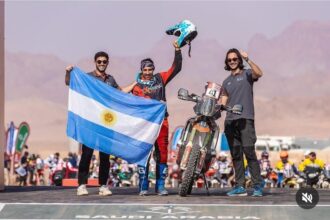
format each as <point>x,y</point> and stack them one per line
<point>257,192</point>
<point>237,191</point>
<point>104,191</point>
<point>143,193</point>
<point>81,190</point>
<point>163,192</point>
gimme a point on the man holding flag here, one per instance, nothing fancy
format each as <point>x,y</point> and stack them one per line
<point>101,60</point>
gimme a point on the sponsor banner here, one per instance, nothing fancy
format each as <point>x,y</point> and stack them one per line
<point>11,135</point>
<point>22,136</point>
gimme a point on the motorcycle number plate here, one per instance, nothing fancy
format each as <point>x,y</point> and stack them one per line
<point>213,90</point>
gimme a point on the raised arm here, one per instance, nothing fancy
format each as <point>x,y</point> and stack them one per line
<point>176,66</point>
<point>256,71</point>
<point>68,70</point>
<point>223,96</point>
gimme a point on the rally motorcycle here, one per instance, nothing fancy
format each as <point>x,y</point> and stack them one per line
<point>312,174</point>
<point>267,174</point>
<point>287,177</point>
<point>325,177</point>
<point>198,140</point>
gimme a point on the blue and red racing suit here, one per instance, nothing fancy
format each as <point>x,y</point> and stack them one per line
<point>155,89</point>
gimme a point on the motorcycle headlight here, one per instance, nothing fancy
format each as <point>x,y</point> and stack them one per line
<point>207,106</point>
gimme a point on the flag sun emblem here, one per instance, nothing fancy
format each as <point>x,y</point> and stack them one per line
<point>108,118</point>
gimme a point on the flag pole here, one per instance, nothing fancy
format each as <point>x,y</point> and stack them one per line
<point>2,92</point>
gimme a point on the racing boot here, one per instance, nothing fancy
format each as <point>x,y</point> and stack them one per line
<point>161,173</point>
<point>143,180</point>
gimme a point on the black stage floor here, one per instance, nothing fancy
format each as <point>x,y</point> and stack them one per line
<point>62,203</point>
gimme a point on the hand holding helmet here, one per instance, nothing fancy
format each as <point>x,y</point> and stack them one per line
<point>185,30</point>
<point>176,45</point>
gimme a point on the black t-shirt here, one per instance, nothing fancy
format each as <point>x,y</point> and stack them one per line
<point>109,80</point>
<point>239,89</point>
<point>23,160</point>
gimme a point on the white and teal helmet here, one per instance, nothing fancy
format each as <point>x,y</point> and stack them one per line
<point>185,30</point>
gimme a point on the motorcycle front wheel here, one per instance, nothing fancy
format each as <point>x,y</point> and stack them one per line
<point>188,174</point>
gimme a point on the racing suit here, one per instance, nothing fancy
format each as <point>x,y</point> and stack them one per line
<point>155,89</point>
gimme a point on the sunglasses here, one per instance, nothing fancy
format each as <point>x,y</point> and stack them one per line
<point>234,59</point>
<point>101,61</point>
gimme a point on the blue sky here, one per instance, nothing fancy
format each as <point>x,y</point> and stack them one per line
<point>76,29</point>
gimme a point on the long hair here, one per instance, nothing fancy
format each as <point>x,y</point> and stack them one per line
<point>240,59</point>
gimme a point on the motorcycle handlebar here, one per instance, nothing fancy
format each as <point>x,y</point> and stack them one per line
<point>192,97</point>
<point>237,109</point>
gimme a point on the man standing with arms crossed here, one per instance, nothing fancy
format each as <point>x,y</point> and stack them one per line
<point>239,129</point>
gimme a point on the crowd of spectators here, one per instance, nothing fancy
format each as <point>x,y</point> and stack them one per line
<point>32,170</point>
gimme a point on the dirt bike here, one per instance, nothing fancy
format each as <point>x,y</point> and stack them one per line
<point>198,140</point>
<point>265,172</point>
<point>325,177</point>
<point>313,176</point>
<point>223,174</point>
<point>224,177</point>
<point>287,177</point>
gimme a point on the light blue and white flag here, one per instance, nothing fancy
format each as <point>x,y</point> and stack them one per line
<point>223,142</point>
<point>11,139</point>
<point>175,137</point>
<point>106,119</point>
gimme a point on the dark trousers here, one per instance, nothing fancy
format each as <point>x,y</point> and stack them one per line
<point>84,164</point>
<point>241,138</point>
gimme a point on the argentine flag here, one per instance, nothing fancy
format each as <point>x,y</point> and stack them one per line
<point>108,120</point>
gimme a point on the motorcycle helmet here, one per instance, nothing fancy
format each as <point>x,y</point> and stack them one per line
<point>264,154</point>
<point>284,154</point>
<point>58,177</point>
<point>223,154</point>
<point>307,152</point>
<point>185,30</point>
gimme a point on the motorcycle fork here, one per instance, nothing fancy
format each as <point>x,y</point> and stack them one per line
<point>183,140</point>
<point>203,153</point>
<point>186,131</point>
<point>186,154</point>
<point>204,137</point>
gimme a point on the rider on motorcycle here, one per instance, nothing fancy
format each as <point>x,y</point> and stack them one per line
<point>312,167</point>
<point>225,170</point>
<point>265,167</point>
<point>265,162</point>
<point>311,160</point>
<point>285,169</point>
<point>326,177</point>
